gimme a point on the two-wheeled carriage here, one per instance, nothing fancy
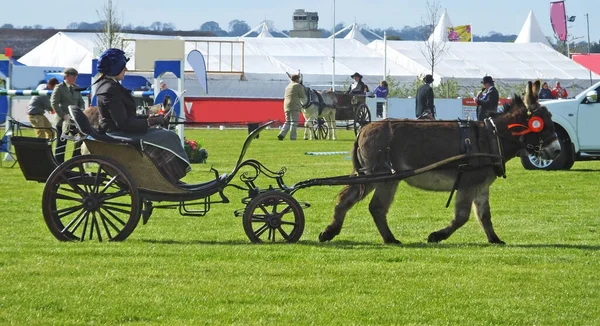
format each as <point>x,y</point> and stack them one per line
<point>349,108</point>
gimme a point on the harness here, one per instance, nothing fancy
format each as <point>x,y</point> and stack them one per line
<point>469,133</point>
<point>320,103</point>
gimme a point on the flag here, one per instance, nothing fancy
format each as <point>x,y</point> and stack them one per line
<point>558,19</point>
<point>460,33</point>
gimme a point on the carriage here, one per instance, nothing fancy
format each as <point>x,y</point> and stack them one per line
<point>351,109</point>
<point>104,195</point>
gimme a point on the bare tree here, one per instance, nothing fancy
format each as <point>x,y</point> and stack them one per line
<point>432,49</point>
<point>110,36</point>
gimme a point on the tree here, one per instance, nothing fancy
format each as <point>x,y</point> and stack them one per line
<point>238,27</point>
<point>432,49</point>
<point>210,26</point>
<point>8,26</point>
<point>110,36</point>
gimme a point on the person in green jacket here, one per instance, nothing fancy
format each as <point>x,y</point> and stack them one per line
<point>63,95</point>
<point>292,105</point>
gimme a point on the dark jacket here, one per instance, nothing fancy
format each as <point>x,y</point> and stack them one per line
<point>360,89</point>
<point>545,94</point>
<point>424,100</point>
<point>117,108</point>
<point>487,103</point>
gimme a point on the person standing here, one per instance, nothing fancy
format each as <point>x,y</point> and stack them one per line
<point>63,95</point>
<point>487,99</point>
<point>382,91</point>
<point>38,105</point>
<point>424,105</point>
<point>559,92</point>
<point>292,105</point>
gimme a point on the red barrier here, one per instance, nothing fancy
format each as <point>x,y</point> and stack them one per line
<point>234,110</point>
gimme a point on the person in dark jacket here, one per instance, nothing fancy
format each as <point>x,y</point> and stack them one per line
<point>358,87</point>
<point>487,99</point>
<point>425,107</point>
<point>545,92</point>
<point>117,110</point>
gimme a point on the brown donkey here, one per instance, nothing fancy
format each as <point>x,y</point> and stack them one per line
<point>396,145</point>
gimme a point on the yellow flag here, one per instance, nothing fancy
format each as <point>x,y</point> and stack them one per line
<point>459,33</point>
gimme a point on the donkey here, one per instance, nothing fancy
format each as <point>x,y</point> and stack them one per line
<point>319,105</point>
<point>411,144</point>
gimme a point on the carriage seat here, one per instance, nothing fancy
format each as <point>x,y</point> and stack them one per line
<point>84,126</point>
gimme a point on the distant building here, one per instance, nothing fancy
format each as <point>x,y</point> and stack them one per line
<point>306,24</point>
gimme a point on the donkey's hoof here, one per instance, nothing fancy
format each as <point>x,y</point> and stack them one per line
<point>435,237</point>
<point>497,241</point>
<point>392,241</point>
<point>323,237</point>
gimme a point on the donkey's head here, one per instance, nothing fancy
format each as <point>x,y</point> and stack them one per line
<point>299,74</point>
<point>532,123</point>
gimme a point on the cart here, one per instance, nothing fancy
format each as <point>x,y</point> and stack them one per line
<point>350,108</point>
<point>103,196</point>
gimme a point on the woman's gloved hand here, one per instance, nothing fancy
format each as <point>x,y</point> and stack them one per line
<point>156,120</point>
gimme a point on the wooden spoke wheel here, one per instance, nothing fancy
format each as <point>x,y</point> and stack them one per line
<point>273,216</point>
<point>362,117</point>
<point>320,128</point>
<point>91,198</point>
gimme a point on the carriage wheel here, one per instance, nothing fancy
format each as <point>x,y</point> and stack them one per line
<point>320,128</point>
<point>91,198</point>
<point>273,216</point>
<point>362,117</point>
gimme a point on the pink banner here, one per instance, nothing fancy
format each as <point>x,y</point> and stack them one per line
<point>558,19</point>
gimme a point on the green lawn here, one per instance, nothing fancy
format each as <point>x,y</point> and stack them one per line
<point>187,271</point>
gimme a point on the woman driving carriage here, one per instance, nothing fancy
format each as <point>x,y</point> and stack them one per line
<point>118,118</point>
<point>358,87</point>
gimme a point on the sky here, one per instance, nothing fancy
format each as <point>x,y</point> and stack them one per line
<point>503,16</point>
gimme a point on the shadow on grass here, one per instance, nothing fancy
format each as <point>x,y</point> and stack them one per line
<point>349,245</point>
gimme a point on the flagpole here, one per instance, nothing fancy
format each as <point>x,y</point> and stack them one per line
<point>472,35</point>
<point>333,57</point>
<point>384,55</point>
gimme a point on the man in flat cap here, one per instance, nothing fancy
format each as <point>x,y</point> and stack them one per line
<point>63,95</point>
<point>424,108</point>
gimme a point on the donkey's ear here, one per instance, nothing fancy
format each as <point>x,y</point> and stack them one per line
<point>288,74</point>
<point>529,100</point>
<point>536,87</point>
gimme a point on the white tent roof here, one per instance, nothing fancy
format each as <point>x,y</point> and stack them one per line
<point>355,34</point>
<point>266,61</point>
<point>440,33</point>
<point>531,32</point>
<point>509,63</point>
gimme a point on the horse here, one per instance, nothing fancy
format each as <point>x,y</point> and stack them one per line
<point>319,105</point>
<point>410,145</point>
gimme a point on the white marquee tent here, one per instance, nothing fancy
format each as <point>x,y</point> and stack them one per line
<point>531,32</point>
<point>267,59</point>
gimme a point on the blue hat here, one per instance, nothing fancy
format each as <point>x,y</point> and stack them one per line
<point>112,62</point>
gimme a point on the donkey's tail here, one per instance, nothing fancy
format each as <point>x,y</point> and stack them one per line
<point>362,189</point>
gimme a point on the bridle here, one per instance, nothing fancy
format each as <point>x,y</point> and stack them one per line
<point>534,125</point>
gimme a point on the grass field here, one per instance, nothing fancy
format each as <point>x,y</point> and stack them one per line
<point>189,271</point>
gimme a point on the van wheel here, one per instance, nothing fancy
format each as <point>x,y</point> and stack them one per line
<point>564,161</point>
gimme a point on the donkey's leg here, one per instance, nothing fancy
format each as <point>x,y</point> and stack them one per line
<point>482,210</point>
<point>462,210</point>
<point>349,196</point>
<point>307,125</point>
<point>379,207</point>
<point>331,122</point>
